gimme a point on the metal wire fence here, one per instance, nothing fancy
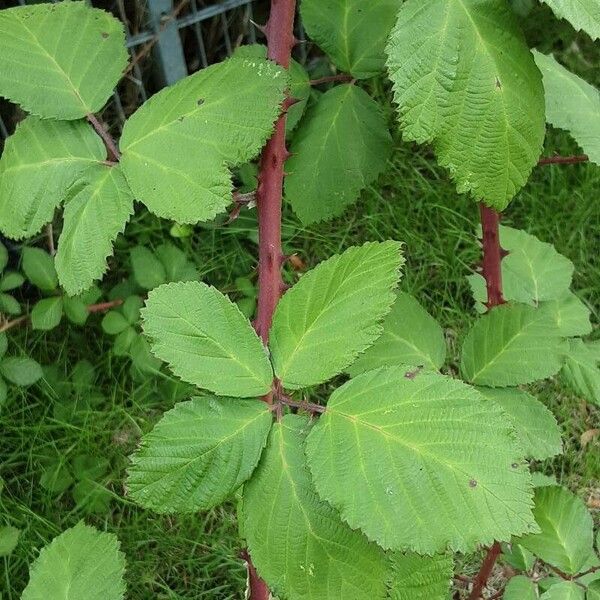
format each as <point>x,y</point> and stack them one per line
<point>166,39</point>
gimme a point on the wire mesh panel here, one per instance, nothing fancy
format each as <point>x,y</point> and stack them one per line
<point>166,39</point>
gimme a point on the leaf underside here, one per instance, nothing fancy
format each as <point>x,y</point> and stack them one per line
<point>465,81</point>
<point>452,474</point>
<point>177,148</point>
<point>198,454</point>
<point>584,15</point>
<point>333,313</point>
<point>206,340</point>
<point>39,163</point>
<point>61,60</point>
<point>297,542</point>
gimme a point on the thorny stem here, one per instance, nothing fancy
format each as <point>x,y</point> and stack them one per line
<point>113,154</point>
<point>485,571</point>
<point>279,32</point>
<point>492,255</point>
<point>563,160</point>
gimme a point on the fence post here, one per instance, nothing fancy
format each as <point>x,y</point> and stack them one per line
<point>168,51</point>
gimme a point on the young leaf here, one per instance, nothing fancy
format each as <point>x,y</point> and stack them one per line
<point>582,14</point>
<point>148,270</point>
<point>9,537</point>
<point>198,454</point>
<point>114,322</point>
<point>453,475</point>
<point>570,315</point>
<point>341,146</point>
<point>40,162</point>
<point>38,267</point>
<point>62,60</point>
<point>421,577</point>
<point>100,204</point>
<point>21,371</point>
<point>581,371</point>
<point>512,345</point>
<point>536,427</point>
<point>206,340</point>
<point>352,32</point>
<point>80,563</point>
<point>11,281</point>
<point>178,147</point>
<point>411,336</point>
<point>333,313</point>
<point>298,543</point>
<point>564,590</point>
<point>465,81</point>
<point>47,313</point>
<point>566,537</point>
<point>520,588</point>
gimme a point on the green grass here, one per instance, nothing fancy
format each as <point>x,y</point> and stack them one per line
<point>196,556</point>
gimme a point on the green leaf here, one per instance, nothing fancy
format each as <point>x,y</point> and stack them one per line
<point>114,322</point>
<point>520,588</point>
<point>517,557</point>
<point>177,266</point>
<point>564,590</point>
<point>581,371</point>
<point>532,272</point>
<point>352,32</point>
<point>206,340</point>
<point>340,147</point>
<point>40,162</point>
<point>11,281</point>
<point>60,61</point>
<point>91,497</point>
<point>75,310</point>
<point>570,315</point>
<point>3,396</point>
<point>198,454</point>
<point>410,336</point>
<point>297,542</point>
<point>148,270</point>
<point>593,592</point>
<point>56,478</point>
<point>178,147</point>
<point>99,206</point>
<point>572,103</point>
<point>3,343</point>
<point>47,313</point>
<point>124,340</point>
<point>536,427</point>
<point>542,480</point>
<point>421,577</point>
<point>453,475</point>
<point>566,537</point>
<point>300,89</point>
<point>582,14</point>
<point>9,305</point>
<point>333,313</point>
<point>131,309</point>
<point>512,345</point>
<point>21,371</point>
<point>141,356</point>
<point>80,563</point>
<point>9,537</point>
<point>465,82</point>
<point>38,267</point>
<point>3,256</point>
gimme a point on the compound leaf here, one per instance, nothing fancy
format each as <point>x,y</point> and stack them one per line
<point>199,453</point>
<point>340,147</point>
<point>572,103</point>
<point>566,537</point>
<point>564,590</point>
<point>80,563</point>
<point>40,162</point>
<point>581,371</point>
<point>47,313</point>
<point>333,313</point>
<point>421,577</point>
<point>582,14</point>
<point>512,345</point>
<point>61,60</point>
<point>465,81</point>
<point>206,340</point>
<point>520,588</point>
<point>98,208</point>
<point>536,427</point>
<point>352,32</point>
<point>178,147</point>
<point>410,336</point>
<point>21,371</point>
<point>298,543</point>
<point>453,475</point>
